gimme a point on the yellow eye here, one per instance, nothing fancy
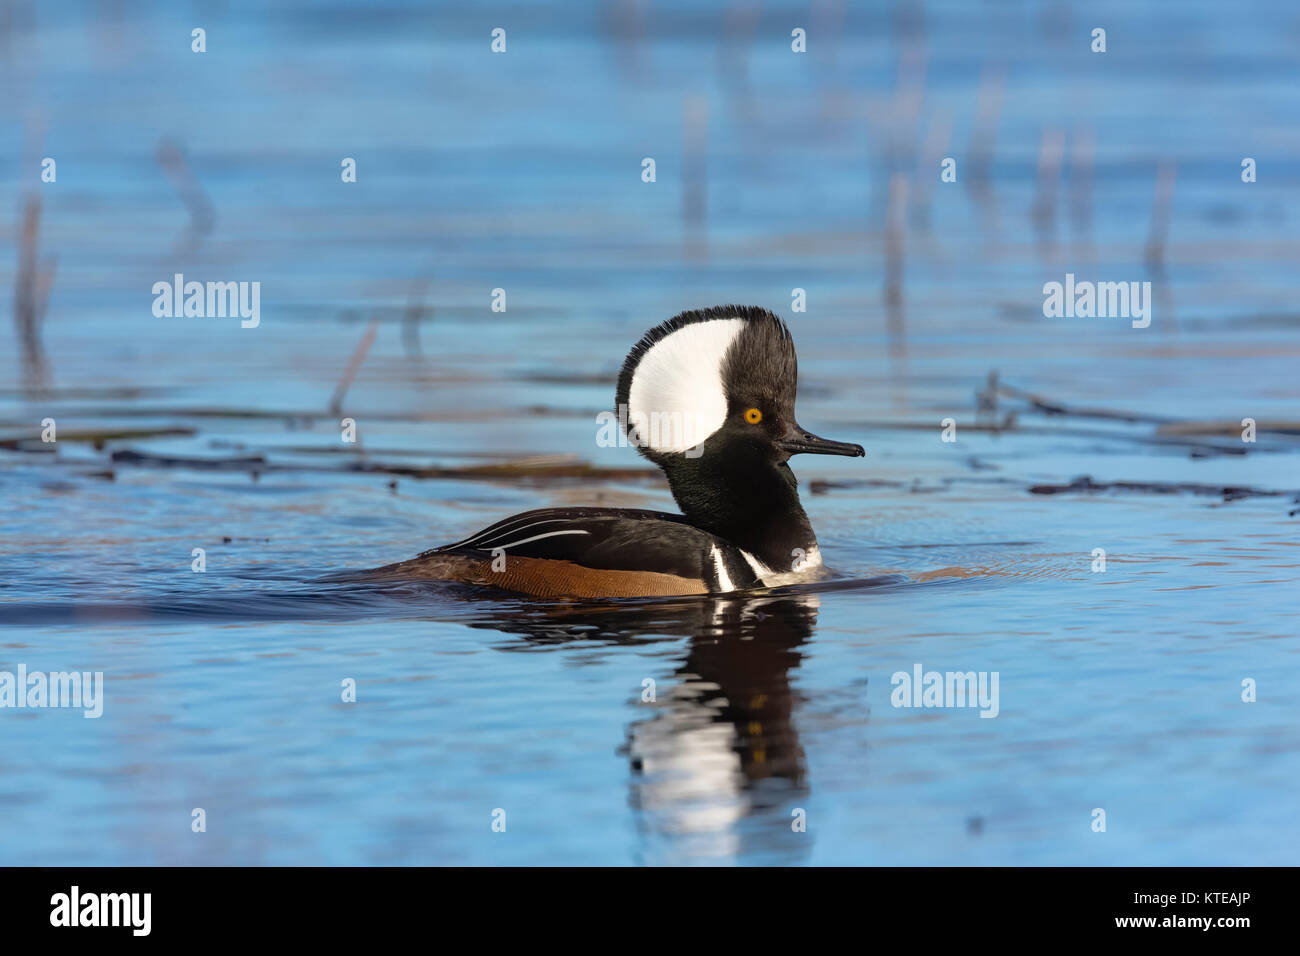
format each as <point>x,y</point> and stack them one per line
<point>753,416</point>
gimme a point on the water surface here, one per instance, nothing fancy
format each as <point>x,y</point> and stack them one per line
<point>1119,690</point>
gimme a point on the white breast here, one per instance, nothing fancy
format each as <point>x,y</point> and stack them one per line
<point>809,569</point>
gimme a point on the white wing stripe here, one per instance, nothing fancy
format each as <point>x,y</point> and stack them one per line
<point>538,537</point>
<point>489,531</point>
<point>500,529</point>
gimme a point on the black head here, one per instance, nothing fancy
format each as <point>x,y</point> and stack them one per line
<point>709,397</point>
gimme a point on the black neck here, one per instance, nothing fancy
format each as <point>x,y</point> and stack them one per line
<point>746,499</point>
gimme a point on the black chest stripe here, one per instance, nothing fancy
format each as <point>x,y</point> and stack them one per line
<point>739,573</point>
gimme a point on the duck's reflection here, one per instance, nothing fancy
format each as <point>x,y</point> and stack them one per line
<point>717,769</point>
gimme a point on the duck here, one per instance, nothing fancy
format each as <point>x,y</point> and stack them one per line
<point>708,396</point>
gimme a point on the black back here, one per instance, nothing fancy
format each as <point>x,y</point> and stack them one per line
<point>613,539</point>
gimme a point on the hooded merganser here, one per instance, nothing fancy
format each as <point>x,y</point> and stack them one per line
<point>730,372</point>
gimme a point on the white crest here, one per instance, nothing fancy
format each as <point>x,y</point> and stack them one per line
<point>677,398</point>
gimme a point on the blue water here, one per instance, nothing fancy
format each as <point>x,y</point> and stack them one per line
<point>1119,689</point>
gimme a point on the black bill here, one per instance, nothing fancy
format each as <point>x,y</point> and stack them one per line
<point>799,441</point>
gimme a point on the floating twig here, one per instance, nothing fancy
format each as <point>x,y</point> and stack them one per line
<point>1229,429</point>
<point>626,22</point>
<point>695,146</point>
<point>895,239</point>
<point>1050,407</point>
<point>986,399</point>
<point>32,285</point>
<point>1082,161</point>
<point>127,456</point>
<point>984,134</point>
<point>932,153</point>
<point>1051,150</point>
<point>739,23</point>
<point>1085,485</point>
<point>95,436</point>
<point>415,312</point>
<point>895,251</point>
<point>1160,210</point>
<point>177,167</point>
<point>545,468</point>
<point>1168,431</point>
<point>349,373</point>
